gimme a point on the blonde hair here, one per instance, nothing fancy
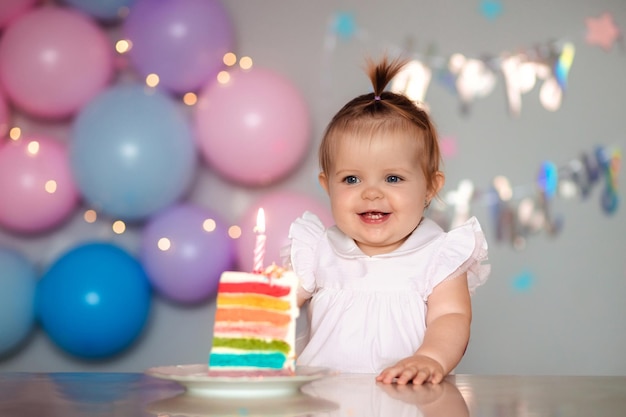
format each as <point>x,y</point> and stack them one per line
<point>383,112</point>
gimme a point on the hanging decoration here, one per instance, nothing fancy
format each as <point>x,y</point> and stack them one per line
<point>516,212</point>
<point>521,211</point>
<point>544,65</point>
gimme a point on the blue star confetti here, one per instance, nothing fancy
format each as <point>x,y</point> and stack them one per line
<point>491,9</point>
<point>344,25</point>
<point>523,281</point>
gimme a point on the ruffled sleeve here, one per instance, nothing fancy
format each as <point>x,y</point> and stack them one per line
<point>305,234</point>
<point>464,249</point>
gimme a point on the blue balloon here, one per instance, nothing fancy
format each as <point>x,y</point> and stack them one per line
<point>17,297</point>
<point>102,9</point>
<point>132,152</point>
<point>93,302</point>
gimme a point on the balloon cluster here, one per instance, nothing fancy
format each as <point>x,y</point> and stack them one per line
<point>133,151</point>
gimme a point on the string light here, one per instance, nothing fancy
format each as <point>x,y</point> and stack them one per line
<point>15,133</point>
<point>164,244</point>
<point>190,99</point>
<point>229,59</point>
<point>50,186</point>
<point>223,77</point>
<point>234,232</point>
<point>123,46</point>
<point>90,216</point>
<point>152,80</point>
<point>118,227</point>
<point>245,63</point>
<point>209,225</point>
<point>32,147</point>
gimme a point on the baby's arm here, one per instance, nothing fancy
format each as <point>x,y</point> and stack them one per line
<point>448,321</point>
<point>303,296</point>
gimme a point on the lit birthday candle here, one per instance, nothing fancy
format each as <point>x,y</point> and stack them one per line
<point>259,248</point>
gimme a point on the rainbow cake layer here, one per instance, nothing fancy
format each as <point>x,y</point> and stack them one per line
<point>255,324</point>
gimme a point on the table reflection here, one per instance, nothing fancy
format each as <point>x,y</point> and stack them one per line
<point>185,405</point>
<point>362,396</point>
<point>340,395</point>
<point>136,395</point>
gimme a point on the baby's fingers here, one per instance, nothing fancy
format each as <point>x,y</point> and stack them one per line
<point>419,377</point>
<point>403,375</point>
<point>389,375</point>
<point>386,377</point>
<point>436,377</point>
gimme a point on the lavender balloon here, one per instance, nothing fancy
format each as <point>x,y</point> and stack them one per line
<point>182,41</point>
<point>184,250</point>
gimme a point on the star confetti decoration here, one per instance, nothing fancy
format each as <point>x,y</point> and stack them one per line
<point>602,31</point>
<point>344,25</point>
<point>491,9</point>
<point>524,281</point>
<point>448,146</point>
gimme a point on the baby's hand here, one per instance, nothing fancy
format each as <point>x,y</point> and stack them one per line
<point>417,368</point>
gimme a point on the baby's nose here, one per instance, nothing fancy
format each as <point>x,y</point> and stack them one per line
<point>372,193</point>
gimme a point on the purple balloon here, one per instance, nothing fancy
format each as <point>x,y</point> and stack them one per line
<point>182,41</point>
<point>184,250</point>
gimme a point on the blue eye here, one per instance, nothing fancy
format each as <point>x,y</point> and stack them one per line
<point>351,179</point>
<point>393,178</point>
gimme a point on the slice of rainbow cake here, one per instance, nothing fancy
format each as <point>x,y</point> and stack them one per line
<point>255,324</point>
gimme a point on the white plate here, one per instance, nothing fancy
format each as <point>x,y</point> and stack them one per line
<point>196,380</point>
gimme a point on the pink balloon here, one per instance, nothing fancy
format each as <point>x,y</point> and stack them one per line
<point>53,60</point>
<point>36,185</point>
<point>11,9</point>
<point>281,209</point>
<point>254,129</point>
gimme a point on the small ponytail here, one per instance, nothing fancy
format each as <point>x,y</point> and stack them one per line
<point>382,72</point>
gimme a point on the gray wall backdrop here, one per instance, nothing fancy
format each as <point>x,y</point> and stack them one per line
<point>555,307</point>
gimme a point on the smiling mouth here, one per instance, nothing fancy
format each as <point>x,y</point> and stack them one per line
<point>373,216</point>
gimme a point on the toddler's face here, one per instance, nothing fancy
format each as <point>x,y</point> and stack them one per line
<point>377,190</point>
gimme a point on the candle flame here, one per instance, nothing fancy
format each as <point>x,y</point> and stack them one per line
<point>260,221</point>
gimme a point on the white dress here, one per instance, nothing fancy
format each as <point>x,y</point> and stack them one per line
<point>368,312</point>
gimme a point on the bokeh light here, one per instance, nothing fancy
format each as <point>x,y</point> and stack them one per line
<point>123,45</point>
<point>15,133</point>
<point>118,227</point>
<point>190,99</point>
<point>90,216</point>
<point>245,62</point>
<point>223,77</point>
<point>209,225</point>
<point>230,59</point>
<point>234,232</point>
